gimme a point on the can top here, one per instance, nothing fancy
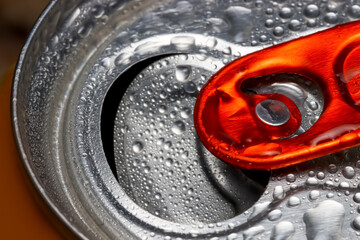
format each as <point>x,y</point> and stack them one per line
<point>80,50</point>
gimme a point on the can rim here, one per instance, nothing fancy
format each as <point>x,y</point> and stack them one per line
<point>20,140</point>
<point>14,118</point>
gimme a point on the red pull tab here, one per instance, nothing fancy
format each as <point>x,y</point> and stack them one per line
<point>238,127</point>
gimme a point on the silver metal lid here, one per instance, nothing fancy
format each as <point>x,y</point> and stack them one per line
<point>76,54</point>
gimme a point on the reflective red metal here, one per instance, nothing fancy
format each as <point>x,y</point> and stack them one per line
<point>225,117</point>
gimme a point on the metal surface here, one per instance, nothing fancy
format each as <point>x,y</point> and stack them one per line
<point>75,54</point>
<point>272,112</point>
<point>160,162</point>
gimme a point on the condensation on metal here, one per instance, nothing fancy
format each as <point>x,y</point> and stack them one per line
<point>76,52</point>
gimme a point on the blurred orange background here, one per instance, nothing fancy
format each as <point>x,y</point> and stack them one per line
<point>16,20</point>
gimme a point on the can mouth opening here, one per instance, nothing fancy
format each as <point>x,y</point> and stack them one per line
<point>111,104</point>
<point>178,195</point>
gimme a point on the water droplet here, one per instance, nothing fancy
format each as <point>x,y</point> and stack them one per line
<point>274,215</point>
<point>282,231</point>
<point>163,95</point>
<point>226,51</point>
<point>356,223</point>
<point>190,87</point>
<point>311,181</point>
<point>269,11</point>
<point>182,73</point>
<point>290,177</point>
<point>259,208</point>
<point>185,154</point>
<point>157,195</point>
<point>320,175</point>
<point>167,145</point>
<point>232,236</point>
<point>183,57</point>
<point>254,43</point>
<point>293,201</point>
<point>344,185</point>
<point>259,3</point>
<point>269,23</point>
<point>278,193</point>
<point>148,47</point>
<point>123,58</point>
<point>329,184</point>
<point>311,11</point>
<point>137,146</point>
<point>311,23</point>
<point>331,8</point>
<point>286,12</point>
<point>211,42</point>
<point>183,42</point>
<point>162,109</point>
<point>263,38</point>
<point>357,197</point>
<point>160,141</point>
<point>278,31</point>
<point>313,105</point>
<point>185,112</point>
<point>332,168</point>
<point>295,25</point>
<point>314,195</point>
<point>330,195</point>
<point>331,17</point>
<point>240,21</point>
<point>178,127</point>
<point>147,169</point>
<point>317,221</point>
<point>354,11</point>
<point>169,162</point>
<point>252,232</point>
<point>348,172</point>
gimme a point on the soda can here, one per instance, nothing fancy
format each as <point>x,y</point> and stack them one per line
<point>102,109</point>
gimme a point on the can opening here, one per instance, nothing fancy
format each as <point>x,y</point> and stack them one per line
<point>153,150</point>
<point>111,104</point>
